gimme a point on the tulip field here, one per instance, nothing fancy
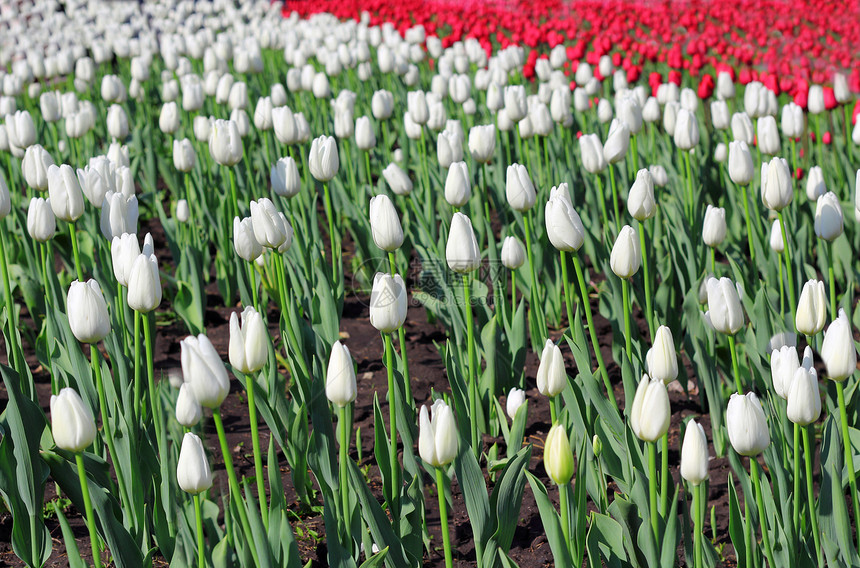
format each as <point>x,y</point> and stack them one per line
<point>423,283</point>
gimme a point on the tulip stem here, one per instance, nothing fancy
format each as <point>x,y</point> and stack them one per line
<point>602,198</point>
<point>749,224</point>
<point>120,309</point>
<point>513,292</point>
<point>652,487</point>
<point>781,287</point>
<point>797,479</point>
<point>331,235</point>
<point>832,278</point>
<point>697,531</point>
<point>401,337</point>
<point>137,384</point>
<point>634,150</point>
<point>810,494</point>
<point>614,197</point>
<point>252,282</point>
<point>625,295</point>
<point>234,198</point>
<point>765,536</point>
<point>343,423</point>
<point>255,442</point>
<point>664,475</point>
<point>564,506</point>
<point>568,299</point>
<point>74,237</point>
<point>473,381</point>
<point>234,484</point>
<point>103,410</point>
<point>788,274</point>
<point>534,293</point>
<point>714,262</point>
<point>646,274</point>
<point>10,304</point>
<point>735,368</point>
<point>88,508</point>
<point>201,543</point>
<point>443,516</point>
<point>690,205</point>
<point>592,332</point>
<point>849,457</point>
<point>392,419</point>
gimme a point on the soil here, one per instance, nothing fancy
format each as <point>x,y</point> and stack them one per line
<point>530,548</point>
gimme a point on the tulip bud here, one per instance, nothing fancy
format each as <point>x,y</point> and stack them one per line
<point>193,474</point>
<point>204,371</point>
<point>661,359</point>
<point>515,102</point>
<point>397,179</point>
<point>184,156</point>
<point>41,223</point>
<point>144,284</point>
<point>811,308</point>
<point>516,398</point>
<point>519,189</point>
<point>72,423</point>
<point>437,435</point>
<point>604,111</point>
<point>168,120</point>
<point>563,224</point>
<point>783,364</point>
<point>387,302</point>
<point>87,310</point>
<point>269,228</point>
<point>340,385</point>
<point>649,416</point>
<point>591,150</point>
<point>617,142</point>
<point>686,133</point>
<point>659,175</point>
<point>244,240</point>
<point>202,127</point>
<point>263,114</point>
<point>35,166</point>
<point>382,105</point>
<point>448,149</point>
<point>513,254</point>
<point>418,110</point>
<point>776,191</point>
<point>482,142</point>
<point>248,341</point>
<point>828,217</point>
<point>838,350</point>
<point>651,110</point>
<point>66,197</point>
<point>694,454</point>
<point>670,117</point>
<point>49,104</point>
<point>724,306</point>
<point>21,129</point>
<point>815,99</point>
<point>725,85</point>
<point>768,136</point>
<point>118,215</point>
<point>776,243</point>
<point>458,188</point>
<point>804,400</point>
<point>551,374</point>
<point>747,425</point>
<point>640,200</point>
<point>365,138</point>
<point>225,143</point>
<point>188,410</point>
<point>462,252</point>
<point>792,122</point>
<point>385,224</point>
<point>742,128</point>
<point>285,178</point>
<point>630,113</point>
<point>720,115</point>
<point>323,160</point>
<point>714,226</point>
<point>815,186</point>
<point>117,122</point>
<point>626,256</point>
<point>558,456</point>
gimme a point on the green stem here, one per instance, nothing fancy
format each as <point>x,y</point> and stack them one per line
<point>714,262</point>
<point>73,235</point>
<point>564,505</point>
<point>553,410</point>
<point>201,542</point>
<point>401,337</point>
<point>614,197</point>
<point>150,377</point>
<point>331,234</point>
<point>788,273</point>
<point>88,508</point>
<point>849,457</point>
<point>796,479</point>
<point>646,275</point>
<point>252,282</point>
<point>443,516</point>
<point>592,332</point>
<point>602,198</point>
<point>690,205</point>
<point>120,308</point>
<point>343,423</point>
<point>735,369</point>
<point>534,292</point>
<point>258,457</point>
<point>513,292</point>
<point>749,223</point>
<point>664,476</point>
<point>810,495</point>
<point>234,195</point>
<point>765,536</point>
<point>634,149</point>
<point>137,383</point>
<point>473,381</point>
<point>832,279</point>
<point>625,295</point>
<point>652,487</point>
<point>235,491</point>
<point>392,419</point>
<point>697,531</point>
<point>568,299</point>
<point>103,409</point>
<point>10,304</point>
